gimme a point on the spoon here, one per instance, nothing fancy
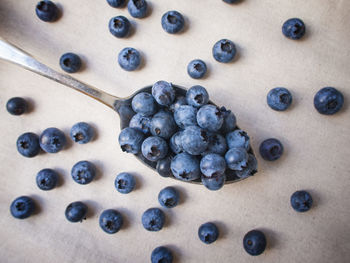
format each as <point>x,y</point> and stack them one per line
<point>122,106</point>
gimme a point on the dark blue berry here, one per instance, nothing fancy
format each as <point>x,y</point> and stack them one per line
<point>175,142</point>
<point>124,183</point>
<point>47,11</point>
<point>52,140</point>
<point>83,172</point>
<point>168,197</point>
<point>208,233</point>
<point>163,92</point>
<point>16,106</point>
<point>180,100</point>
<point>196,69</point>
<point>154,148</point>
<point>250,169</point>
<point>210,118</point>
<point>238,138</point>
<point>195,140</point>
<point>279,99</point>
<point>236,158</point>
<point>137,8</point>
<point>197,96</point>
<point>144,103</point>
<point>254,242</point>
<point>130,140</point>
<point>185,167</point>
<point>119,26</point>
<point>82,132</point>
<point>231,1</point>
<point>111,221</point>
<point>271,149</point>
<point>28,144</point>
<point>22,207</point>
<point>141,123</point>
<point>328,101</point>
<point>70,62</point>
<point>224,51</point>
<point>213,183</point>
<point>129,58</point>
<point>161,255</point>
<point>293,28</point>
<point>46,179</point>
<point>212,165</point>
<point>163,125</point>
<point>217,144</point>
<point>153,219</point>
<point>163,167</point>
<point>76,212</point>
<point>116,3</point>
<point>229,123</point>
<point>185,115</point>
<point>173,22</point>
<point>301,201</point>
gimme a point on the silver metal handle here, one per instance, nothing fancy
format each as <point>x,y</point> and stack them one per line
<point>17,56</point>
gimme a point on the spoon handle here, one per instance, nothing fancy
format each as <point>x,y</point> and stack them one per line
<point>17,56</point>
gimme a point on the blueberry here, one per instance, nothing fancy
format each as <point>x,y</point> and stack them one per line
<point>47,11</point>
<point>301,201</point>
<point>185,115</point>
<point>124,183</point>
<point>129,58</point>
<point>22,207</point>
<point>154,148</point>
<point>116,3</point>
<point>119,26</point>
<point>70,62</point>
<point>163,92</point>
<point>328,101</point>
<point>83,172</point>
<point>46,179</point>
<point>141,123</point>
<point>293,28</point>
<point>130,140</point>
<point>163,125</point>
<point>185,167</point>
<point>254,242</point>
<point>161,255</point>
<point>195,140</point>
<point>229,123</point>
<point>76,212</point>
<point>17,106</point>
<point>82,132</point>
<point>213,183</point>
<point>196,69</point>
<point>144,104</point>
<point>231,1</point>
<point>238,138</point>
<point>180,100</point>
<point>212,165</point>
<point>163,167</point>
<point>279,99</point>
<point>153,219</point>
<point>217,144</point>
<point>210,118</point>
<point>208,233</point>
<point>175,142</point>
<point>197,96</point>
<point>137,8</point>
<point>52,140</point>
<point>111,221</point>
<point>224,51</point>
<point>236,158</point>
<point>271,149</point>
<point>172,22</point>
<point>28,144</point>
<point>168,197</point>
<point>250,169</point>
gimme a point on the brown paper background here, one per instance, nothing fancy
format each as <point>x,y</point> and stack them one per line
<point>317,148</point>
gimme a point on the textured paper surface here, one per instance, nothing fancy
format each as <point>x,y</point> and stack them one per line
<point>317,148</point>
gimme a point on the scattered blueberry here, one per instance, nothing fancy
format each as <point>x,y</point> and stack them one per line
<point>47,11</point>
<point>144,104</point>
<point>82,132</point>
<point>163,124</point>
<point>271,149</point>
<point>17,106</point>
<point>213,183</point>
<point>212,165</point>
<point>173,22</point>
<point>208,233</point>
<point>153,219</point>
<point>46,179</point>
<point>130,140</point>
<point>175,142</point>
<point>328,101</point>
<point>293,28</point>
<point>197,69</point>
<point>185,115</point>
<point>124,183</point>
<point>217,144</point>
<point>236,158</point>
<point>238,138</point>
<point>70,62</point>
<point>119,26</point>
<point>210,118</point>
<point>129,58</point>
<point>180,100</point>
<point>154,148</point>
<point>52,140</point>
<point>111,221</point>
<point>22,207</point>
<point>279,99</point>
<point>163,92</point>
<point>224,51</point>
<point>185,167</point>
<point>163,167</point>
<point>161,255</point>
<point>76,212</point>
<point>28,144</point>
<point>254,242</point>
<point>168,197</point>
<point>231,1</point>
<point>137,8</point>
<point>83,172</point>
<point>197,96</point>
<point>195,140</point>
<point>116,3</point>
<point>250,169</point>
<point>141,123</point>
<point>301,201</point>
<point>229,123</point>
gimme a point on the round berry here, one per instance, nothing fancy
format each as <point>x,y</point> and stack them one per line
<point>301,201</point>
<point>124,183</point>
<point>213,183</point>
<point>137,8</point>
<point>144,103</point>
<point>17,106</point>
<point>185,167</point>
<point>172,22</point>
<point>197,96</point>
<point>70,62</point>
<point>208,233</point>
<point>83,172</point>
<point>271,149</point>
<point>163,92</point>
<point>153,219</point>
<point>238,138</point>
<point>212,165</point>
<point>293,28</point>
<point>82,132</point>
<point>111,221</point>
<point>28,144</point>
<point>328,101</point>
<point>279,99</point>
<point>130,140</point>
<point>195,140</point>
<point>224,51</point>
<point>76,212</point>
<point>119,26</point>
<point>52,140</point>
<point>161,255</point>
<point>116,3</point>
<point>210,118</point>
<point>22,207</point>
<point>196,69</point>
<point>46,179</point>
<point>254,242</point>
<point>154,148</point>
<point>168,197</point>
<point>163,124</point>
<point>236,158</point>
<point>129,58</point>
<point>163,167</point>
<point>47,11</point>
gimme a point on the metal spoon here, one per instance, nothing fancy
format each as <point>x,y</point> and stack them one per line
<point>122,106</point>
